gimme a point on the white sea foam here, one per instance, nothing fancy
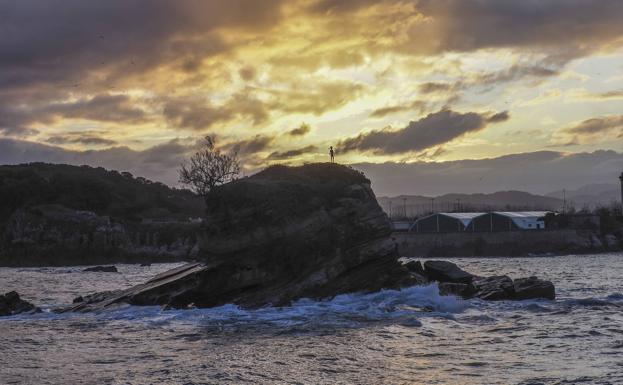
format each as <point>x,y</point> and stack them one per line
<point>403,306</point>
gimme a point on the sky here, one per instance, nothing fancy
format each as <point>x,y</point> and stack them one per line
<point>426,97</point>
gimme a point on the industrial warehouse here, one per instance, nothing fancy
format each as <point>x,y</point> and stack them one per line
<point>478,222</point>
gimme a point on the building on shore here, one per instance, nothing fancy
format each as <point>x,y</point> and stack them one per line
<point>478,222</point>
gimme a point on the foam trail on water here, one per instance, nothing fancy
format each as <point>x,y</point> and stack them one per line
<point>343,310</point>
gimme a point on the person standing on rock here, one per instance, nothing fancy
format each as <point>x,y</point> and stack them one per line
<point>332,154</point>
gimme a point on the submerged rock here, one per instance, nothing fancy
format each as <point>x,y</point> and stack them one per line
<point>285,233</point>
<point>11,304</point>
<point>102,269</point>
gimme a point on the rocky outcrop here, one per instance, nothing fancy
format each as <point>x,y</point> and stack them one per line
<point>532,287</point>
<point>285,233</point>
<point>452,280</point>
<point>11,304</point>
<point>102,269</point>
<point>445,271</point>
<point>50,235</point>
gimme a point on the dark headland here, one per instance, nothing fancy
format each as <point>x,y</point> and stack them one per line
<point>59,215</point>
<point>313,231</point>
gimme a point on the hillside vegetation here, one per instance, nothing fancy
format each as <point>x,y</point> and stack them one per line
<point>119,195</point>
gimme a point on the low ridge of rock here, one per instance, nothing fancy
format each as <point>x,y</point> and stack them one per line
<point>11,304</point>
<point>102,269</point>
<point>313,231</point>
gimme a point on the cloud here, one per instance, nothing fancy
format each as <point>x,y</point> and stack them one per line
<point>72,39</point>
<point>247,73</point>
<point>434,87</point>
<point>104,108</point>
<point>100,108</point>
<point>434,129</point>
<point>301,130</point>
<point>277,155</point>
<point>256,144</point>
<point>518,71</point>
<point>198,114</point>
<point>592,130</point>
<point>314,98</point>
<point>538,172</point>
<point>158,163</point>
<point>561,28</point>
<point>81,138</point>
<point>417,106</point>
<point>53,52</point>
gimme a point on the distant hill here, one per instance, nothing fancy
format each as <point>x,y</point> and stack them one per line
<point>417,205</point>
<point>590,195</point>
<point>104,192</point>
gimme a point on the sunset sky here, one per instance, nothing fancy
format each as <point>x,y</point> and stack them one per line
<point>425,96</point>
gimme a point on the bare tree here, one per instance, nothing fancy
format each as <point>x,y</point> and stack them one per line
<point>209,167</point>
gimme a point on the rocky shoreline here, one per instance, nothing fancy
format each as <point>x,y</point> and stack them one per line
<point>286,233</point>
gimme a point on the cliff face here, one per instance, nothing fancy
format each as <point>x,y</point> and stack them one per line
<point>286,233</point>
<point>54,235</point>
<point>302,231</point>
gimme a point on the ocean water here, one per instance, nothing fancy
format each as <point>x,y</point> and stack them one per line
<point>412,336</point>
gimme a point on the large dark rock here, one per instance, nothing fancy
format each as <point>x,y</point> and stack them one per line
<point>11,304</point>
<point>495,288</point>
<point>416,267</point>
<point>102,269</point>
<point>452,280</point>
<point>444,271</point>
<point>532,287</point>
<point>285,233</point>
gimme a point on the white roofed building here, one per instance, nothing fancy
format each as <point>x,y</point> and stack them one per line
<point>480,222</point>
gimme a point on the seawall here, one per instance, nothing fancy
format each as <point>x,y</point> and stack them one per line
<point>511,243</point>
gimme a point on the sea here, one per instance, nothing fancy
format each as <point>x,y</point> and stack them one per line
<point>410,336</point>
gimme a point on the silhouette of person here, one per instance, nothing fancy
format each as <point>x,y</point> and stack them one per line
<point>332,154</point>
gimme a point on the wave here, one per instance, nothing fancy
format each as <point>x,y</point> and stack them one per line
<point>403,307</point>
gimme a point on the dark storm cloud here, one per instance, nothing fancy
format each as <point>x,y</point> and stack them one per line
<point>569,27</point>
<point>51,50</point>
<point>280,155</point>
<point>562,29</point>
<point>537,172</point>
<point>301,130</point>
<point>434,129</point>
<point>66,39</point>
